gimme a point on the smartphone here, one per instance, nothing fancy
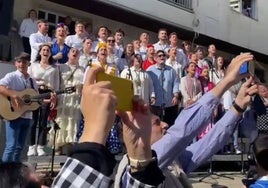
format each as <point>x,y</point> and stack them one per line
<point>123,89</point>
<point>247,67</point>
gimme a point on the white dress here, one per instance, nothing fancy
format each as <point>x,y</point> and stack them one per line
<point>68,108</point>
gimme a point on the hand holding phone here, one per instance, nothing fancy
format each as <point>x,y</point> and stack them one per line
<point>123,89</point>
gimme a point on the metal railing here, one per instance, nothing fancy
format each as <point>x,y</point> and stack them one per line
<point>185,4</point>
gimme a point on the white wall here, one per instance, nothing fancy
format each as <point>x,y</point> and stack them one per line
<point>158,10</point>
<point>131,31</point>
<point>6,68</point>
<point>216,19</point>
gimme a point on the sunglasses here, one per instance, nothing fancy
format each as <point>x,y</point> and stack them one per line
<point>111,41</point>
<point>60,25</point>
<point>161,55</point>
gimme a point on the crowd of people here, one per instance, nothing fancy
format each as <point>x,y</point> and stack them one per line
<point>186,108</point>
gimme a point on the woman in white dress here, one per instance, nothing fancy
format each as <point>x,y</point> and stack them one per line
<point>68,109</point>
<point>47,79</point>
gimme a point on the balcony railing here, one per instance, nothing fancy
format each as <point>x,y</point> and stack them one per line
<point>184,4</point>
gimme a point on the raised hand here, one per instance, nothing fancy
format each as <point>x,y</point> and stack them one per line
<point>137,130</point>
<point>98,105</point>
<point>247,90</point>
<point>232,73</point>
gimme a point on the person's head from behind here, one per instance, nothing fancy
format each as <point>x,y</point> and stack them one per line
<point>260,151</point>
<point>18,175</point>
<point>159,128</point>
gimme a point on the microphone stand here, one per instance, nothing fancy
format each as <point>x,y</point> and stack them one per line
<point>56,128</point>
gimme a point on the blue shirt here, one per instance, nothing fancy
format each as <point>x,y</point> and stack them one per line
<point>165,83</point>
<point>56,49</point>
<point>192,120</point>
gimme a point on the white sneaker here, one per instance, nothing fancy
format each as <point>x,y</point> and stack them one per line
<point>40,151</point>
<point>237,151</point>
<point>32,151</point>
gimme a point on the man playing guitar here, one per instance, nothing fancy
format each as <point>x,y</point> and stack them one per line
<point>17,129</point>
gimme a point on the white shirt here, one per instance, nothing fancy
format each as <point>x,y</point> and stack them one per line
<point>143,52</point>
<point>48,76</point>
<point>36,40</point>
<point>74,41</point>
<point>176,66</point>
<point>142,82</point>
<point>16,81</point>
<point>164,47</point>
<point>27,27</point>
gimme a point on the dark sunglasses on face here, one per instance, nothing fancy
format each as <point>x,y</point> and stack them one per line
<point>161,55</point>
<point>111,41</point>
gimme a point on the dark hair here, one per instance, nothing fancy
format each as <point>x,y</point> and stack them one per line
<point>41,21</point>
<point>199,48</point>
<point>160,51</point>
<point>102,26</point>
<point>162,29</point>
<point>135,56</point>
<point>79,22</point>
<point>120,31</point>
<point>22,56</point>
<point>173,33</point>
<point>260,149</point>
<point>38,57</point>
<point>14,175</point>
<point>32,10</point>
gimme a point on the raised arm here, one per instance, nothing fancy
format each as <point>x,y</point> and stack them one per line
<point>194,118</point>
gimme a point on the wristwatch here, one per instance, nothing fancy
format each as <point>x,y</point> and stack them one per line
<point>140,164</point>
<point>238,108</point>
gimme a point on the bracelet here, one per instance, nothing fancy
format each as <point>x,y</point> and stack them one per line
<point>139,164</point>
<point>238,108</point>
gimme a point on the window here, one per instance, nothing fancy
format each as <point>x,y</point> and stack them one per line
<point>52,18</point>
<point>246,7</point>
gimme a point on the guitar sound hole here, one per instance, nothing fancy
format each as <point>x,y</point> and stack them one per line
<point>26,99</point>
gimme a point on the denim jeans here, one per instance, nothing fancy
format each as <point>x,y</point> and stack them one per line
<point>16,135</point>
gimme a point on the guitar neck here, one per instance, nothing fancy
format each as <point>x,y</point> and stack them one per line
<point>46,95</point>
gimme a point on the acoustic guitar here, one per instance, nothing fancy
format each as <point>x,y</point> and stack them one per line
<point>32,100</point>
